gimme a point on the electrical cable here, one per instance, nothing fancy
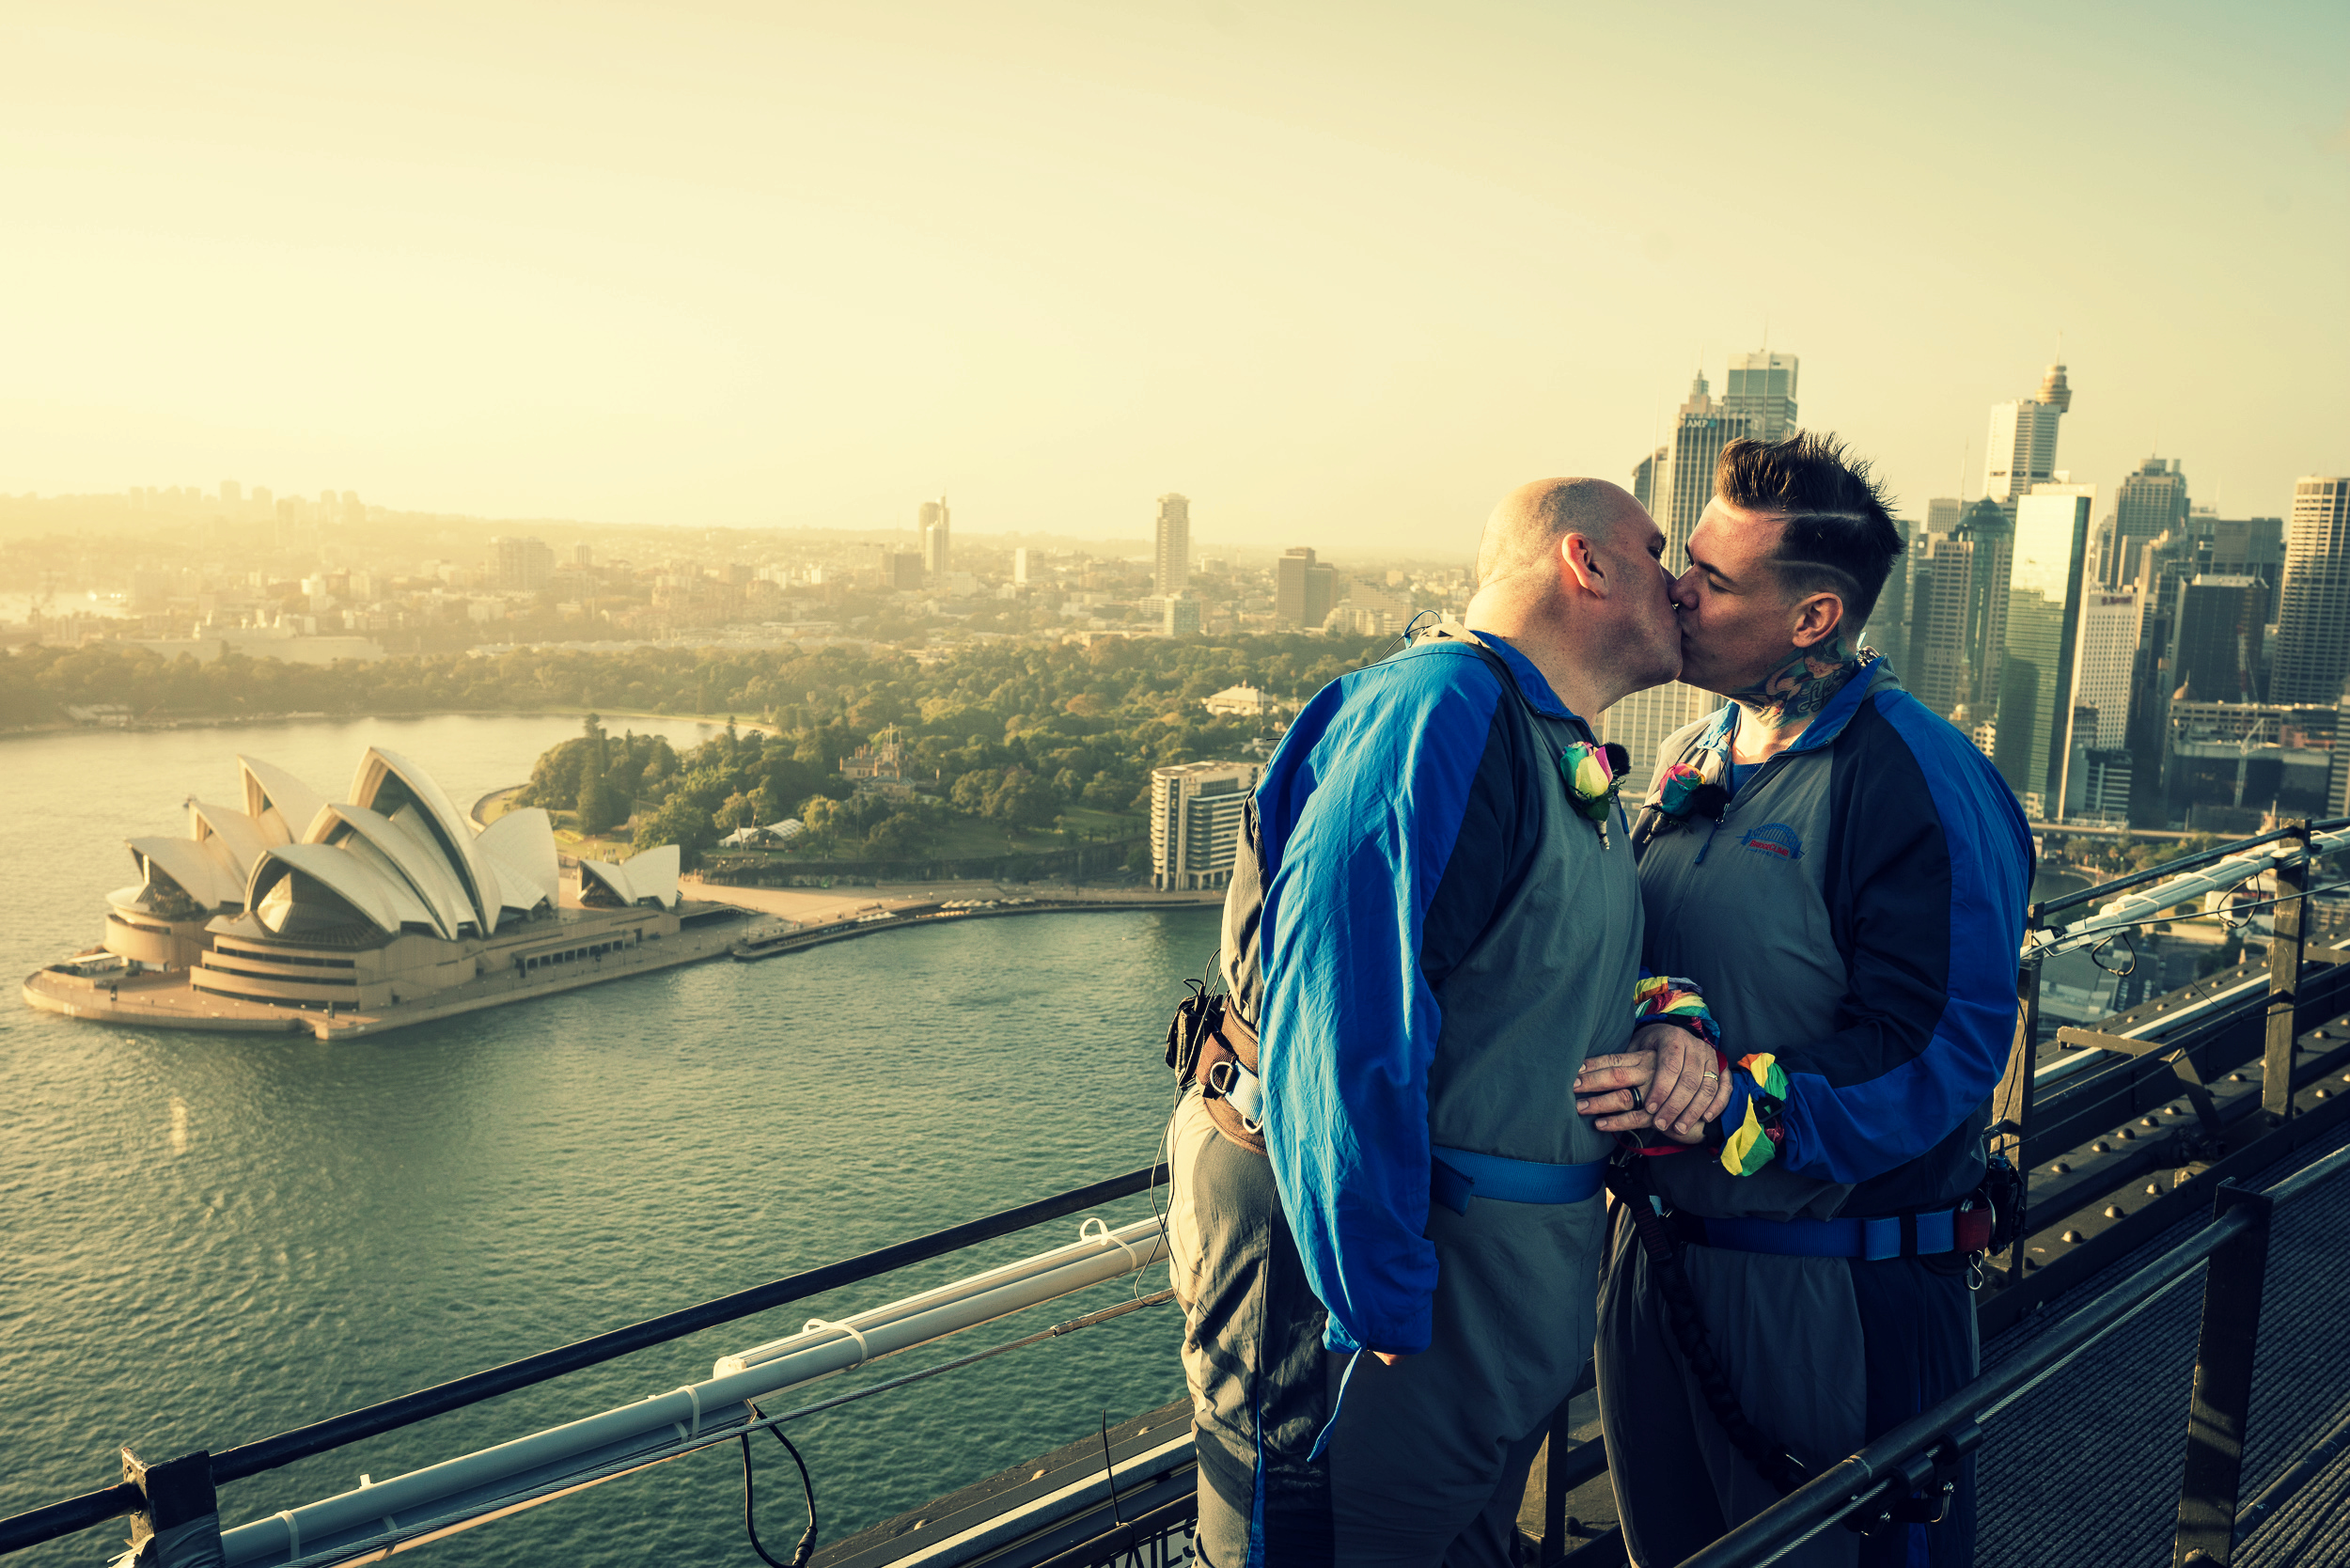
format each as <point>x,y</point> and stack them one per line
<point>807,1548</point>
<point>774,1423</point>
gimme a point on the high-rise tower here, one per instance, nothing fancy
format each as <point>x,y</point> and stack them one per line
<point>937,541</point>
<point>2313,604</point>
<point>1680,482</point>
<point>1761,391</point>
<point>2150,503</point>
<point>2023,442</point>
<point>1992,530</point>
<point>1174,545</point>
<point>2046,582</point>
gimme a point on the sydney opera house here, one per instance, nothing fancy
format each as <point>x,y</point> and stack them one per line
<point>385,906</point>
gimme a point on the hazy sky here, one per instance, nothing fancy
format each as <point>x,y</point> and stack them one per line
<point>1340,272</point>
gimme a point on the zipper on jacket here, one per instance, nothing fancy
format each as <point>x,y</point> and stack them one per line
<point>1767,767</point>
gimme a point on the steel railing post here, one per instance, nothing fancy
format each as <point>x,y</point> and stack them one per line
<point>2284,978</point>
<point>180,1525</point>
<point>2011,1105</point>
<point>1555,1544</point>
<point>2222,1397</point>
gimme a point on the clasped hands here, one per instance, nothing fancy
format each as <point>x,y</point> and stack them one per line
<point>1669,1079</point>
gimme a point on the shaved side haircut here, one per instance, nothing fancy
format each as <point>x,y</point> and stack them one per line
<point>1840,536</point>
<point>1525,529</point>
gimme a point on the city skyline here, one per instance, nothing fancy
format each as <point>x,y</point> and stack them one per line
<point>675,274</point>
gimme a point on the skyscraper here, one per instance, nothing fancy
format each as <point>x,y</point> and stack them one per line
<point>1888,630</point>
<point>1941,594</point>
<point>2022,448</point>
<point>2313,604</point>
<point>1174,545</point>
<point>1761,391</point>
<point>1644,479</point>
<point>1989,529</point>
<point>2050,564</point>
<point>2150,503</point>
<point>937,544</point>
<point>1303,592</point>
<point>1680,483</point>
<point>523,565</point>
<point>1019,567</point>
<point>2104,661</point>
<point>2215,638</point>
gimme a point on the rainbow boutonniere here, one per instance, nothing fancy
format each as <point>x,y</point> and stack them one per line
<point>1684,789</point>
<point>1594,773</point>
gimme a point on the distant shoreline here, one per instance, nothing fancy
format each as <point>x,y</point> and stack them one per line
<point>66,727</point>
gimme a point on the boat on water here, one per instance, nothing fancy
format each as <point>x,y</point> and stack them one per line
<point>294,913</point>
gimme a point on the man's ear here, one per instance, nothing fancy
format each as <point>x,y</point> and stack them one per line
<point>1583,564</point>
<point>1818,619</point>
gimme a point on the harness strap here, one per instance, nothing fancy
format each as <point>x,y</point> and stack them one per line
<point>1911,1235</point>
<point>1456,1175</point>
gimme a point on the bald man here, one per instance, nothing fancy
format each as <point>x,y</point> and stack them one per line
<point>1385,1222</point>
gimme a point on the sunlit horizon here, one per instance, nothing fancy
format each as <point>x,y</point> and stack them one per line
<point>1340,275</point>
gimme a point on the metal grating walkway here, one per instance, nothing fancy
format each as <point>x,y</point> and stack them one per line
<point>2084,1470</point>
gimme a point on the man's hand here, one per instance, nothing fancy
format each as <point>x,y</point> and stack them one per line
<point>1678,1079</point>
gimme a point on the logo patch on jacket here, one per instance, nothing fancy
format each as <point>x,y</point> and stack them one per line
<point>1774,838</point>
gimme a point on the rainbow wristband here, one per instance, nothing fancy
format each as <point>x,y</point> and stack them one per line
<point>1671,1000</point>
<point>1757,1104</point>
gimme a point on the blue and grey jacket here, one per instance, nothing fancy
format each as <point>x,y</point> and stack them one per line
<point>1856,912</point>
<point>1434,942</point>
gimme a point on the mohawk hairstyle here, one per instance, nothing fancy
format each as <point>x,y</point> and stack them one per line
<point>1840,537</point>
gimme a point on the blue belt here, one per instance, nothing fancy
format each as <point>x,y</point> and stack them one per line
<point>1455,1176</point>
<point>1871,1240</point>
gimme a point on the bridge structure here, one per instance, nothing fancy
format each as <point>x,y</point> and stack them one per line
<point>2161,1368</point>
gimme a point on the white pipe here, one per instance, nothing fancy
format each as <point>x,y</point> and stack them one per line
<point>2123,913</point>
<point>538,1458</point>
<point>2132,908</point>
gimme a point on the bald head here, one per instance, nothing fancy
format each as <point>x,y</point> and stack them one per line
<point>1523,531</point>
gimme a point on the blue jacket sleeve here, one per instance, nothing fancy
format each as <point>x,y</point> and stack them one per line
<point>1360,809</point>
<point>1932,872</point>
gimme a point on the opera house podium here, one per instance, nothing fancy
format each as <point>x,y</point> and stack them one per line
<point>384,909</point>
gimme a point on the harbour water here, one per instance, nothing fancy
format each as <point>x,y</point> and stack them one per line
<point>207,1239</point>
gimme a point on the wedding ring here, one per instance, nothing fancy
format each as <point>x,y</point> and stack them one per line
<point>1712,1078</point>
<point>1637,1097</point>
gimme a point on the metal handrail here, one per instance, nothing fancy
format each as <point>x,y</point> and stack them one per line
<point>95,1508</point>
<point>2182,864</point>
<point>1889,1466</point>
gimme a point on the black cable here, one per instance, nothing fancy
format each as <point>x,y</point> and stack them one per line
<point>807,1548</point>
<point>1109,1473</point>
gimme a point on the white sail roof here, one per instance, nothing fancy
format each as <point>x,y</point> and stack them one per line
<point>202,876</point>
<point>650,875</point>
<point>241,837</point>
<point>280,805</point>
<point>384,900</point>
<point>411,856</point>
<point>378,770</point>
<point>522,844</point>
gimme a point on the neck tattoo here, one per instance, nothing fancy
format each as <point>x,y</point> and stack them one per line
<point>1789,696</point>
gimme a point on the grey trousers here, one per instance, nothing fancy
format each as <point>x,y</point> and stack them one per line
<point>1823,1353</point>
<point>1428,1460</point>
